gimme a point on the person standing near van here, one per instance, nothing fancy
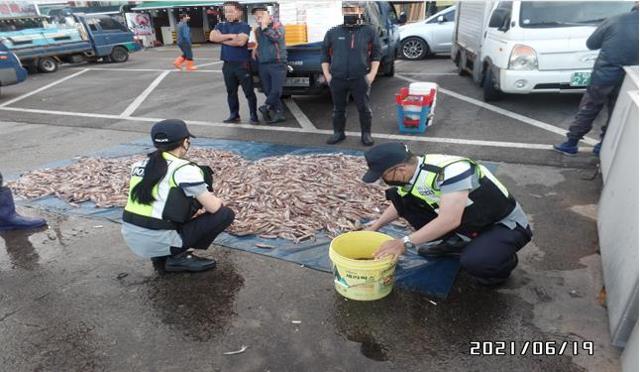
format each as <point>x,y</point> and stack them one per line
<point>617,39</point>
<point>351,55</point>
<point>234,37</point>
<point>184,43</point>
<point>271,53</point>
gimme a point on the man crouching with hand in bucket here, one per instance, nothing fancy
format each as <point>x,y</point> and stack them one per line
<point>454,200</point>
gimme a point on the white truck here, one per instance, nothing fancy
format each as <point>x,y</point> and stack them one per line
<point>522,47</point>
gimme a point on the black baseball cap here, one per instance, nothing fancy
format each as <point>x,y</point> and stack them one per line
<point>384,156</point>
<point>169,132</point>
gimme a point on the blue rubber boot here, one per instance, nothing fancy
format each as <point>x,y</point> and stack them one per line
<point>9,219</point>
<point>570,147</point>
<point>596,149</point>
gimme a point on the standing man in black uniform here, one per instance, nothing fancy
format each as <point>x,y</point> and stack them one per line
<point>351,55</point>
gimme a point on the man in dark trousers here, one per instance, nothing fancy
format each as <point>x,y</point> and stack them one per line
<point>617,39</point>
<point>271,54</point>
<point>455,204</point>
<point>234,36</point>
<point>184,43</point>
<point>351,56</point>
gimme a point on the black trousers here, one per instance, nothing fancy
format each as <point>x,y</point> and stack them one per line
<point>200,232</point>
<point>591,104</point>
<point>488,255</point>
<point>239,74</point>
<point>359,89</point>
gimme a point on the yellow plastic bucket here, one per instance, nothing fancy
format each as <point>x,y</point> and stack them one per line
<point>356,275</point>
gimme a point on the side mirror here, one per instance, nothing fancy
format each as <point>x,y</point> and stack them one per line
<point>440,19</point>
<point>402,19</point>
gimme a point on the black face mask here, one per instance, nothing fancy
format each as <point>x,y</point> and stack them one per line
<point>352,19</point>
<point>396,183</point>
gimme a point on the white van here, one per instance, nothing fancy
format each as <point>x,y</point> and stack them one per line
<point>528,46</point>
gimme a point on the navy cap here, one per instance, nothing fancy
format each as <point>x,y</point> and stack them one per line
<point>169,132</point>
<point>385,156</point>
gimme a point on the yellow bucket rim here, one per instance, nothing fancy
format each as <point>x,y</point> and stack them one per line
<point>373,264</point>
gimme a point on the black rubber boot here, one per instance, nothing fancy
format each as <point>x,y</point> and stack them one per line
<point>9,219</point>
<point>451,246</point>
<point>366,139</point>
<point>336,137</point>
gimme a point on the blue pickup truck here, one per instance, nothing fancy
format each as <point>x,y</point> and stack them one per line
<point>11,72</point>
<point>82,37</point>
<point>305,71</point>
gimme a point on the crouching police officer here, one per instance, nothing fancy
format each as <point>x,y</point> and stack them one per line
<point>171,207</point>
<point>455,204</point>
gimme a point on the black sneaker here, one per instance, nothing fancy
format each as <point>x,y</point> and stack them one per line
<point>445,248</point>
<point>366,139</point>
<point>266,115</point>
<point>278,117</point>
<point>254,121</point>
<point>188,262</point>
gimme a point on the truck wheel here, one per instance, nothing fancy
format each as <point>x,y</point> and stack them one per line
<point>414,48</point>
<point>489,90</point>
<point>389,68</point>
<point>47,64</point>
<point>460,65</point>
<point>119,54</point>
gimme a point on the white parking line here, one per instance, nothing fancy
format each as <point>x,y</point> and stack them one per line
<point>19,98</point>
<point>297,113</point>
<point>138,101</point>
<point>130,69</point>
<point>210,64</point>
<point>429,73</point>
<point>150,70</point>
<point>513,115</point>
<point>400,137</point>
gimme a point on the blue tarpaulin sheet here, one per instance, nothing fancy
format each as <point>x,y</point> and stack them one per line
<point>415,273</point>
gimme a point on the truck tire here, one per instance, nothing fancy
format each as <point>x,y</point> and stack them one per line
<point>119,55</point>
<point>489,91</point>
<point>460,64</point>
<point>414,48</point>
<point>389,68</point>
<point>47,64</point>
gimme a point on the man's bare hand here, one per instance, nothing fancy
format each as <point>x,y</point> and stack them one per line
<point>390,248</point>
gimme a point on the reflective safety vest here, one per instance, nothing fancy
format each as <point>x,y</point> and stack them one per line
<point>170,207</point>
<point>488,204</point>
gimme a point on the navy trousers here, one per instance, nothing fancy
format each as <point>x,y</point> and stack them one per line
<point>272,76</point>
<point>187,53</point>
<point>488,255</point>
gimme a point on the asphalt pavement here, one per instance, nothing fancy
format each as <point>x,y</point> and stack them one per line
<point>75,298</point>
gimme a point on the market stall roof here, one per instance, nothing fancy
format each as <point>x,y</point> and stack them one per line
<point>148,5</point>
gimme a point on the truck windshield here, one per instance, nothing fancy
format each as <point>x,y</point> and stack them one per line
<point>548,14</point>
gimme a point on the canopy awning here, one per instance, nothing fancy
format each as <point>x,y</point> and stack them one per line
<point>149,5</point>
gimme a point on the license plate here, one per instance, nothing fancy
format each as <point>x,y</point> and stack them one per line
<point>580,79</point>
<point>296,82</point>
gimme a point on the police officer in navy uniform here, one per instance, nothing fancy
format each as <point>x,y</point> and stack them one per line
<point>457,206</point>
<point>171,208</point>
<point>351,55</point>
